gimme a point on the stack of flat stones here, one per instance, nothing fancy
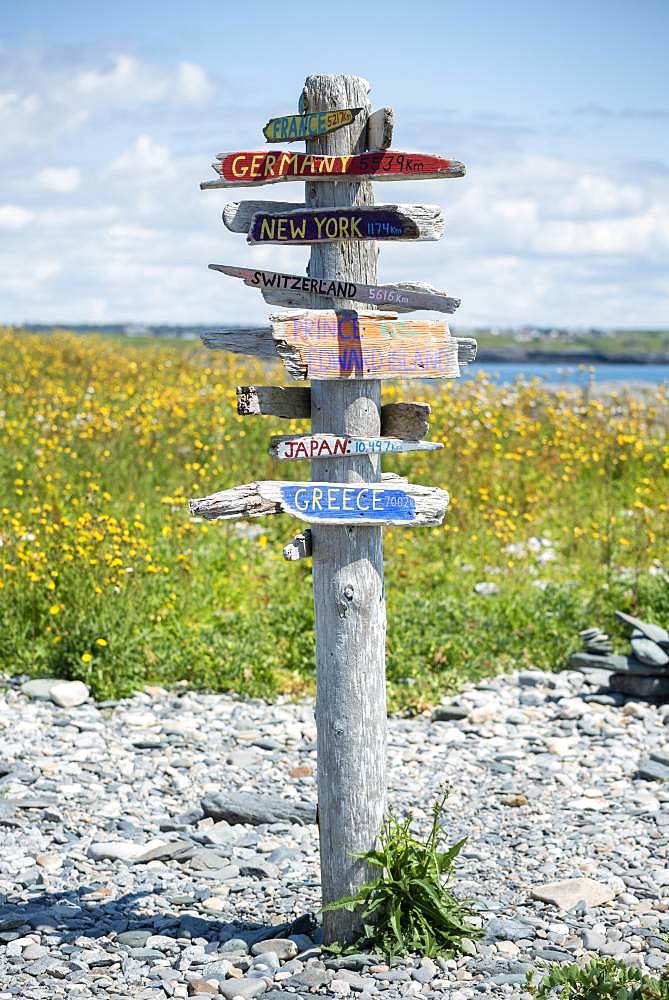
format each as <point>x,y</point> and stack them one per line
<point>641,673</point>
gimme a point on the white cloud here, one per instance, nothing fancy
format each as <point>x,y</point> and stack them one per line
<point>14,216</point>
<point>193,86</point>
<point>144,156</point>
<point>63,180</point>
<point>594,195</point>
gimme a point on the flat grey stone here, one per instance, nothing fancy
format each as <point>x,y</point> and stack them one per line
<point>69,694</point>
<point>652,770</point>
<point>588,662</point>
<point>285,995</point>
<point>39,689</point>
<point>499,929</point>
<point>283,948</point>
<point>649,653</point>
<point>174,850</point>
<point>246,988</point>
<point>425,972</point>
<point>235,946</point>
<point>311,978</point>
<point>568,892</point>
<point>654,632</point>
<point>449,713</point>
<point>553,955</point>
<point>640,686</point>
<point>243,807</point>
<point>205,859</point>
<point>354,962</point>
<point>258,868</point>
<point>134,939</point>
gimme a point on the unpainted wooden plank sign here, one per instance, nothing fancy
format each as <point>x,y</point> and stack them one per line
<point>248,169</point>
<point>291,128</point>
<point>393,501</point>
<point>380,129</point>
<point>334,225</point>
<point>298,290</point>
<point>313,446</point>
<point>408,421</point>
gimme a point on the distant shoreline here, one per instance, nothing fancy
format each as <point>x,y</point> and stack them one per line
<point>522,355</point>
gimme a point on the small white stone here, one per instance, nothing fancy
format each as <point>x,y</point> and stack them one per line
<point>508,949</point>
<point>120,850</point>
<point>69,694</point>
<point>340,987</point>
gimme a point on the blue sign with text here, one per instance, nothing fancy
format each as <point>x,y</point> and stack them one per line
<point>325,502</point>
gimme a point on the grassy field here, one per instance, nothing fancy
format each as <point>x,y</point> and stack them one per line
<point>560,502</point>
<point>613,345</point>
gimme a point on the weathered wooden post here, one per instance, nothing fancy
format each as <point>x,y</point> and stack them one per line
<point>349,600</point>
<point>345,353</point>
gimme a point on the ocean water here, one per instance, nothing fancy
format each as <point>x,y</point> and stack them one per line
<point>565,374</point>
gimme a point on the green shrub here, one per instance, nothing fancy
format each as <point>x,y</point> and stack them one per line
<point>600,979</point>
<point>408,908</point>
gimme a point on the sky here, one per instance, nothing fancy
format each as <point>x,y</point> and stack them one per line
<point>110,116</point>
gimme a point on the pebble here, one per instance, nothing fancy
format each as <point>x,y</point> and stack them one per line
<point>69,694</point>
<point>567,893</point>
<point>152,848</point>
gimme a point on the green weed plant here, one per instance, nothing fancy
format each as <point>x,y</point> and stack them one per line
<point>408,908</point>
<point>600,979</point>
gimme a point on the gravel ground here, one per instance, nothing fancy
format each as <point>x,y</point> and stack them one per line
<point>114,882</point>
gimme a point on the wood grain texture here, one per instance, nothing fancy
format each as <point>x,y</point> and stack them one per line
<point>394,501</point>
<point>251,169</point>
<point>293,447</point>
<point>380,129</point>
<point>299,548</point>
<point>347,566</point>
<point>420,353</point>
<point>402,420</point>
<point>281,288</point>
<point>406,420</point>
<point>289,402</point>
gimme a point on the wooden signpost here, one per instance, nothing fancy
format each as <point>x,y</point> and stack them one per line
<point>290,128</point>
<point>279,288</point>
<point>345,354</point>
<point>250,169</point>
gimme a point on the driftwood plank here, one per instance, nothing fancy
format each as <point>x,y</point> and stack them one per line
<point>362,350</point>
<point>293,447</point>
<point>250,169</point>
<point>291,128</point>
<point>283,289</point>
<point>300,547</point>
<point>380,129</point>
<point>405,420</point>
<point>290,402</point>
<point>408,421</point>
<point>327,225</point>
<point>393,501</point>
